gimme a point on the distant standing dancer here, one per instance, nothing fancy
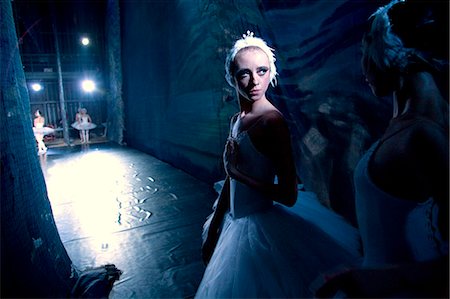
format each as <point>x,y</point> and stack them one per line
<point>83,123</point>
<point>40,131</point>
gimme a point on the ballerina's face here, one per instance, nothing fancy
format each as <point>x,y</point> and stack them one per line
<point>252,73</point>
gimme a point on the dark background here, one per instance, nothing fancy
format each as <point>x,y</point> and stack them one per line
<point>174,100</point>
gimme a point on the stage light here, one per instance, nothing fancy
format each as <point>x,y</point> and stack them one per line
<point>85,41</point>
<point>36,86</point>
<point>88,85</point>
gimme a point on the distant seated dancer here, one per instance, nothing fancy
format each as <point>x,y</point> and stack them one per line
<point>40,131</point>
<point>402,182</point>
<point>83,123</point>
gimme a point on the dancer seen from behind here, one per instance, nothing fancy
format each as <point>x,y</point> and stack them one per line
<point>40,131</point>
<point>83,123</point>
<point>253,247</point>
<point>402,182</point>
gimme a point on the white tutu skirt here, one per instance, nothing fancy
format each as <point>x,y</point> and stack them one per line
<point>83,126</point>
<point>280,252</point>
<point>43,131</point>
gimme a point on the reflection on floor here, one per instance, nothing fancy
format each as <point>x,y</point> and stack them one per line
<point>113,204</point>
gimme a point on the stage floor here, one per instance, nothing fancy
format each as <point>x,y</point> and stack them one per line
<point>114,204</point>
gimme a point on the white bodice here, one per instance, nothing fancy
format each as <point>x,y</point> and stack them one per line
<point>243,199</point>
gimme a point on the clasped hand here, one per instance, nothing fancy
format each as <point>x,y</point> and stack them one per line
<point>230,157</point>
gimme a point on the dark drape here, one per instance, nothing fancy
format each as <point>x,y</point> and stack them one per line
<point>34,262</point>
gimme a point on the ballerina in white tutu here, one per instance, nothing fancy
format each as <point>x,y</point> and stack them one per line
<point>40,131</point>
<point>254,248</point>
<point>83,123</point>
